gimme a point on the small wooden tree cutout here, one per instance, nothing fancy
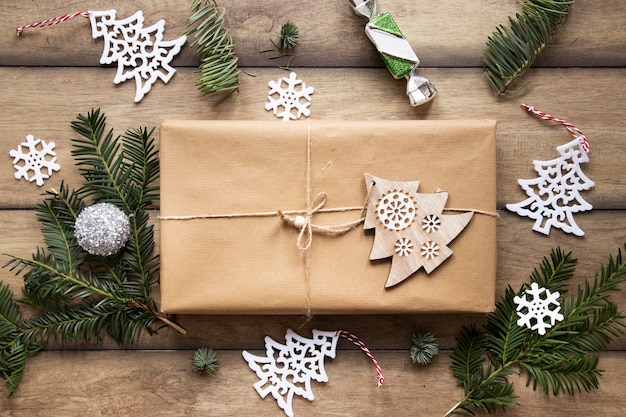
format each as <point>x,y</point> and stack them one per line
<point>410,227</point>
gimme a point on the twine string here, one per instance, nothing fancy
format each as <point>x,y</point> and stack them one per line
<point>358,342</point>
<point>50,22</point>
<point>576,132</point>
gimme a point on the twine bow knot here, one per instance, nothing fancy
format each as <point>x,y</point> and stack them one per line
<point>303,222</point>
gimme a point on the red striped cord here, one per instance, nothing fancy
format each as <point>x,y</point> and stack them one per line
<point>576,132</point>
<point>358,342</point>
<point>50,22</point>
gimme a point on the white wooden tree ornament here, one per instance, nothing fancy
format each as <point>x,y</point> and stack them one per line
<point>554,196</point>
<point>410,227</point>
<point>287,369</point>
<point>140,52</point>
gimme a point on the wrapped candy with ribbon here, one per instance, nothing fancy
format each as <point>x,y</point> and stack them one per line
<point>395,51</point>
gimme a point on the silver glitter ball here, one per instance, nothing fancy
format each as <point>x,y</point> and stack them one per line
<point>102,229</point>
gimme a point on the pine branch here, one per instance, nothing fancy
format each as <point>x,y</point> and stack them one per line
<point>511,51</point>
<point>564,360</point>
<point>100,162</point>
<point>57,217</point>
<point>213,45</point>
<point>126,178</point>
<point>483,389</point>
<point>79,296</point>
<point>140,150</point>
<point>14,349</point>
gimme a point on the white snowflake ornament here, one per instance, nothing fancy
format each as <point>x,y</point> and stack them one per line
<point>31,164</point>
<point>288,101</point>
<point>541,312</point>
<point>288,369</point>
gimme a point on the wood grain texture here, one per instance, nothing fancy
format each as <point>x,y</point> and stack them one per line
<point>161,383</point>
<point>48,76</point>
<point>351,94</point>
<point>447,33</point>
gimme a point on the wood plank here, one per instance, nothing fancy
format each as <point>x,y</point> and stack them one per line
<point>50,75</point>
<point>162,384</point>
<point>351,94</point>
<point>519,251</point>
<point>446,34</point>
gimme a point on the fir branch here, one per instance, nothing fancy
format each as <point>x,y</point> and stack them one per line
<point>213,45</point>
<point>511,51</point>
<point>141,151</point>
<point>564,360</point>
<point>127,179</point>
<point>14,349</point>
<point>79,296</point>
<point>57,217</point>
<point>101,163</point>
<point>484,389</point>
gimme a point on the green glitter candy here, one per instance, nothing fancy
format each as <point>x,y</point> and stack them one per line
<point>398,67</point>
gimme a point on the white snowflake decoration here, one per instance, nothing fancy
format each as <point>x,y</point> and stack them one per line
<point>554,196</point>
<point>403,247</point>
<point>140,53</point>
<point>541,312</point>
<point>430,250</point>
<point>40,156</point>
<point>289,98</point>
<point>288,369</point>
<point>431,223</point>
<point>396,210</point>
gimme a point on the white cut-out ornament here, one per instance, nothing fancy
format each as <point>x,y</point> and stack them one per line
<point>286,100</point>
<point>554,196</point>
<point>140,52</point>
<point>30,165</point>
<point>410,227</point>
<point>541,312</point>
<point>288,369</point>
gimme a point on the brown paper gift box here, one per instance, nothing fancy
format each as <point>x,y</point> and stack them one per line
<point>244,259</point>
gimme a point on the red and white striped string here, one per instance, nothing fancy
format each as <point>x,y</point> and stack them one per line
<point>358,342</point>
<point>576,132</point>
<point>50,22</point>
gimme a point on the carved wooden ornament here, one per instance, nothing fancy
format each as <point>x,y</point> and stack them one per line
<point>410,227</point>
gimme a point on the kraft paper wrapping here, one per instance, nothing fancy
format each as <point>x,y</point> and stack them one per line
<point>245,259</point>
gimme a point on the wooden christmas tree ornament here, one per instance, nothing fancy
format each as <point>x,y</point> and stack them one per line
<point>410,227</point>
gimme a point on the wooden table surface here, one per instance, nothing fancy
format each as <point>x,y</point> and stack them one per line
<point>48,76</point>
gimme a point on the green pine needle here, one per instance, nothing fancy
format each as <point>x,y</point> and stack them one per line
<point>213,45</point>
<point>205,361</point>
<point>511,51</point>
<point>288,36</point>
<point>79,296</point>
<point>424,348</point>
<point>563,361</point>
